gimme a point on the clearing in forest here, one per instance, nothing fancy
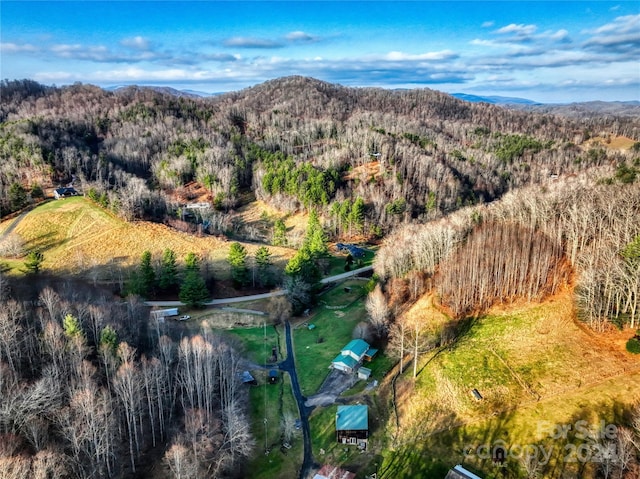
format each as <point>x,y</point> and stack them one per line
<point>77,237</point>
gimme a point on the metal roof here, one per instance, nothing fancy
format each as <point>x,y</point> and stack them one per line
<point>460,472</point>
<point>352,418</point>
<point>357,347</point>
<point>346,360</point>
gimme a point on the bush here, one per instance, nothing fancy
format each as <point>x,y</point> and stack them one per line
<point>633,346</point>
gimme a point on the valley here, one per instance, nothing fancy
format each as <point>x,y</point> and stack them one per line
<point>486,261</point>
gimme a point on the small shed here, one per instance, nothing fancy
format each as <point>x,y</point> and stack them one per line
<point>370,354</point>
<point>247,378</point>
<point>364,373</point>
<point>476,394</point>
<point>273,376</point>
<point>311,326</point>
<point>352,425</point>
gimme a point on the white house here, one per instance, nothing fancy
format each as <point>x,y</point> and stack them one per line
<point>352,356</point>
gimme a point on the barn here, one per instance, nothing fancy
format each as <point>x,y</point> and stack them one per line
<point>352,425</point>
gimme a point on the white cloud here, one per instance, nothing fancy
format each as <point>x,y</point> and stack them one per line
<point>301,37</point>
<point>16,48</point>
<point>518,29</point>
<point>251,42</point>
<point>485,43</point>
<point>625,24</point>
<point>136,43</point>
<point>430,56</point>
<point>622,35</point>
<point>560,35</point>
<point>488,24</point>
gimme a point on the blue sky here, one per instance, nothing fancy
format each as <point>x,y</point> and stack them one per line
<point>556,51</point>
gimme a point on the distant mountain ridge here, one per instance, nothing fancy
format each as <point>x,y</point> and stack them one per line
<point>163,89</point>
<point>572,110</point>
<point>494,99</point>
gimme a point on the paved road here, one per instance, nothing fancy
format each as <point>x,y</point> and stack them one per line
<point>255,297</point>
<point>348,274</point>
<point>289,366</point>
<point>13,225</point>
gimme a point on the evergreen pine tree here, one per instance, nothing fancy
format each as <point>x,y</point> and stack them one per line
<point>168,277</point>
<point>193,291</point>
<point>263,265</point>
<point>238,261</point>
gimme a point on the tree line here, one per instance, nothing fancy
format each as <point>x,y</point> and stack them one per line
<point>527,245</point>
<point>296,142</point>
<point>88,392</point>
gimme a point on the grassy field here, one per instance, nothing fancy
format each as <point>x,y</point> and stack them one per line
<point>268,404</point>
<point>258,342</point>
<point>316,348</point>
<point>337,262</point>
<point>534,367</point>
<point>77,237</point>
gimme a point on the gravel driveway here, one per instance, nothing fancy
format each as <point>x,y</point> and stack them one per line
<point>335,384</point>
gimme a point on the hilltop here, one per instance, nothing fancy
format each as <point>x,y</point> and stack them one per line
<point>434,153</point>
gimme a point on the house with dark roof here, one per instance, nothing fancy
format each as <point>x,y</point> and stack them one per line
<point>64,192</point>
<point>460,472</point>
<point>352,425</point>
<point>352,356</point>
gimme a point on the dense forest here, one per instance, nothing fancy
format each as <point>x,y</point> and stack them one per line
<point>87,391</point>
<point>297,143</point>
<point>527,246</point>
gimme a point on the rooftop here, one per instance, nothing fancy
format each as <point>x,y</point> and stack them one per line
<point>346,360</point>
<point>460,472</point>
<point>356,346</point>
<point>352,418</point>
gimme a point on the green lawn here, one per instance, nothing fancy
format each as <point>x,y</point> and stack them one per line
<point>315,349</point>
<point>343,294</point>
<point>258,342</point>
<point>337,262</point>
<point>269,402</point>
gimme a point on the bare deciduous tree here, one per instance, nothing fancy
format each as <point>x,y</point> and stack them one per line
<point>378,310</point>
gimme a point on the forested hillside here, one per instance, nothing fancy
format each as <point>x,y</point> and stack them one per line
<point>296,142</point>
<point>474,205</point>
<point>526,246</point>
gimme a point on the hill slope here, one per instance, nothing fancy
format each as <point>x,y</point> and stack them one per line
<point>78,237</point>
<point>535,368</point>
<point>432,153</point>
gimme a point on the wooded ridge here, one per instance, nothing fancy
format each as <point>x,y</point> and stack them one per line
<point>298,143</point>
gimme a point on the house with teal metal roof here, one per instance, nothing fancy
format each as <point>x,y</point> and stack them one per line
<point>352,425</point>
<point>356,349</point>
<point>351,356</point>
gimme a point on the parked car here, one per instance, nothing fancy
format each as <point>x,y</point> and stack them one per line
<point>184,317</point>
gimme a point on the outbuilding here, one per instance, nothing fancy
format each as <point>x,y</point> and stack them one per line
<point>352,425</point>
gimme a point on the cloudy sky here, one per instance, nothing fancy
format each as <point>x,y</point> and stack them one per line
<point>546,51</point>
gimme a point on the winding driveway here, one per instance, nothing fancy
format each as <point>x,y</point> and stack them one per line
<point>255,297</point>
<point>289,365</point>
<point>13,225</point>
